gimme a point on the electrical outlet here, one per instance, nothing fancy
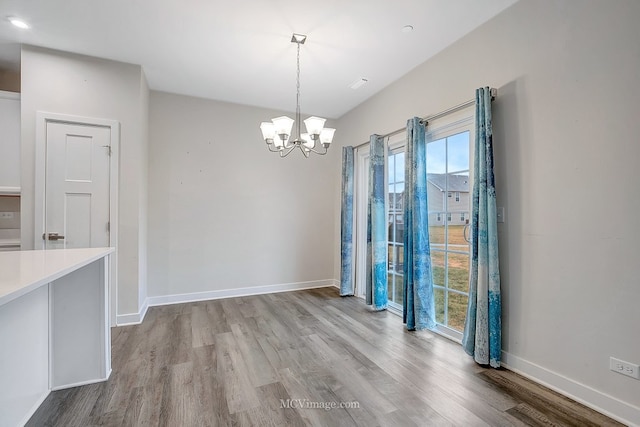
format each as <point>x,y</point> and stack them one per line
<point>6,215</point>
<point>625,368</point>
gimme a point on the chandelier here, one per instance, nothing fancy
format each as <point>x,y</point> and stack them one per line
<point>277,132</point>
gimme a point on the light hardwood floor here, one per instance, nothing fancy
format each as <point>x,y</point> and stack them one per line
<point>236,361</point>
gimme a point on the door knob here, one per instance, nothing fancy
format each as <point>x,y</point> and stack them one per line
<point>52,236</point>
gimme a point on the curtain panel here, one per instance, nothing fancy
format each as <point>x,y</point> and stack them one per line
<point>482,331</point>
<point>376,289</point>
<point>346,224</point>
<point>418,302</point>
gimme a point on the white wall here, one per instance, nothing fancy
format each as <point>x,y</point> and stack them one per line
<point>143,192</point>
<point>224,213</point>
<point>64,83</point>
<point>9,139</point>
<point>566,146</point>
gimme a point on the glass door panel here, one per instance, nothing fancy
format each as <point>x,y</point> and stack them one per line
<point>449,192</point>
<point>395,244</point>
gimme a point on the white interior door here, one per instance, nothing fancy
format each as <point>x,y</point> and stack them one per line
<point>76,186</point>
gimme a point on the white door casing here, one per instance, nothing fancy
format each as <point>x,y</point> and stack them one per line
<point>76,187</point>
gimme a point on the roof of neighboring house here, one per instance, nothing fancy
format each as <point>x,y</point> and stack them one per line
<point>456,182</point>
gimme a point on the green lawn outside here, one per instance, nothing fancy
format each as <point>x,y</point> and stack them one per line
<point>458,277</point>
<point>457,304</point>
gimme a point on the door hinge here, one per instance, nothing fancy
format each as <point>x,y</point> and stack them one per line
<point>108,147</point>
<point>109,226</point>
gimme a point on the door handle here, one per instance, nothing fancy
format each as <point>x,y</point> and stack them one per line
<point>52,236</point>
<point>465,233</point>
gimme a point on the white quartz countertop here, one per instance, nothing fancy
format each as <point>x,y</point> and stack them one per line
<point>23,271</point>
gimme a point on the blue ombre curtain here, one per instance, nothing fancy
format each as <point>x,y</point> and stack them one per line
<point>418,307</point>
<point>376,291</point>
<point>482,329</point>
<point>346,224</point>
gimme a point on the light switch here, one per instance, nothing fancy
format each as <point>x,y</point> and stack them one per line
<point>500,214</point>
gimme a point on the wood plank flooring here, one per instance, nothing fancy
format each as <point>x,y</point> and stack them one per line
<point>239,361</point>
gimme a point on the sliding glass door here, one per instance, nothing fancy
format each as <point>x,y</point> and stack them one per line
<point>395,181</point>
<point>449,150</point>
<point>449,194</point>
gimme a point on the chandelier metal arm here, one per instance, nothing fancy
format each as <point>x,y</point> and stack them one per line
<point>322,153</point>
<point>284,153</point>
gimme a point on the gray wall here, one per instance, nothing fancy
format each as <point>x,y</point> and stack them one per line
<point>224,212</point>
<point>64,83</point>
<point>566,147</point>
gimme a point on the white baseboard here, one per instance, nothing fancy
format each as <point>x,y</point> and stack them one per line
<point>35,407</point>
<point>610,406</point>
<point>133,318</point>
<point>137,318</point>
<point>79,384</point>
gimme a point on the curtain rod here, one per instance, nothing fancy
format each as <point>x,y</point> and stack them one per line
<point>425,120</point>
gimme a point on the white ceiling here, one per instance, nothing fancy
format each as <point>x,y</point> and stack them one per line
<point>240,50</point>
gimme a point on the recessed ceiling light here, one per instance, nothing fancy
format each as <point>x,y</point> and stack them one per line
<point>358,83</point>
<point>407,28</point>
<point>17,22</point>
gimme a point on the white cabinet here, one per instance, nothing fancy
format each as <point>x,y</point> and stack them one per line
<point>9,142</point>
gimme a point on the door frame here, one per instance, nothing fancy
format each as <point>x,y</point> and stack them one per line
<point>42,119</point>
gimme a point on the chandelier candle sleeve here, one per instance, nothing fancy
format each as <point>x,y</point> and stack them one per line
<point>277,133</point>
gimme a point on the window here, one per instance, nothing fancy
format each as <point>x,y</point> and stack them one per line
<point>449,216</point>
<point>462,216</point>
<point>457,196</point>
<point>449,194</point>
<point>438,217</point>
